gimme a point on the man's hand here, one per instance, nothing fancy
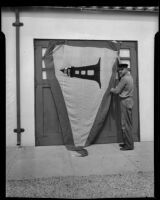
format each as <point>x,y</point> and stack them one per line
<point>112,90</point>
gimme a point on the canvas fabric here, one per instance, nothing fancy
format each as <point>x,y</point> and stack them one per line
<point>84,104</point>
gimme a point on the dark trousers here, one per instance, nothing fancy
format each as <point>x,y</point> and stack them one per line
<point>126,121</point>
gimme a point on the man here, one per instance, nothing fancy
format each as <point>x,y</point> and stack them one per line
<point>125,90</point>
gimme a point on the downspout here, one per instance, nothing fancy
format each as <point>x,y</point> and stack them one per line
<point>18,130</point>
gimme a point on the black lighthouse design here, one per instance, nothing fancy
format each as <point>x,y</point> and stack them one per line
<point>90,72</point>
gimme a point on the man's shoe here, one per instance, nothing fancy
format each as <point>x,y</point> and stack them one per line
<point>122,145</point>
<point>126,148</point>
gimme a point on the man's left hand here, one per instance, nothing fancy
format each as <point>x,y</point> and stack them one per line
<point>112,89</point>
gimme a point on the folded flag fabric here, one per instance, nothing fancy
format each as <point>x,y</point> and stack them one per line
<point>79,149</point>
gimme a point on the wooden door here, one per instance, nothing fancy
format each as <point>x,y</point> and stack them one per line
<point>128,54</point>
<point>48,130</point>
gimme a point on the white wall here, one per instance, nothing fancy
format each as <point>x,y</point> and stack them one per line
<point>75,25</point>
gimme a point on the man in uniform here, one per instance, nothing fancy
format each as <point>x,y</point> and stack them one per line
<point>125,90</point>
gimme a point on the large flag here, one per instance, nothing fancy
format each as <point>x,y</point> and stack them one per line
<point>84,72</point>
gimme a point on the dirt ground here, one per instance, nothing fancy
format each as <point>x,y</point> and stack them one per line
<point>130,184</point>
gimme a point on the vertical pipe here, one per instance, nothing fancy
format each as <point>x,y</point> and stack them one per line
<point>18,81</point>
<point>17,24</point>
<point>156,108</point>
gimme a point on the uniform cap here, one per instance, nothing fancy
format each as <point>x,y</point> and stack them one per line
<point>121,66</point>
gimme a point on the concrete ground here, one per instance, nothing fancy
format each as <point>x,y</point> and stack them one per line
<point>103,160</point>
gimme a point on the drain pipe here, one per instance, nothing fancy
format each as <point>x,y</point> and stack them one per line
<point>18,130</point>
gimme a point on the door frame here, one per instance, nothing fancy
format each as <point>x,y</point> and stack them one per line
<point>124,44</point>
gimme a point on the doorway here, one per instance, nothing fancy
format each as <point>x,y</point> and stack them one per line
<point>47,126</point>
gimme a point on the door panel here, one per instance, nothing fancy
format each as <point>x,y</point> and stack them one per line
<point>51,121</point>
<point>48,130</point>
<point>128,55</point>
<point>132,59</point>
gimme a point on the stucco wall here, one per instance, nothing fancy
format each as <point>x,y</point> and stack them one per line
<point>75,25</point>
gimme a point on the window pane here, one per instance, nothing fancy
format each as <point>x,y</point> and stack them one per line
<point>83,72</point>
<point>76,72</point>
<point>126,62</point>
<point>124,53</point>
<point>44,75</point>
<point>43,52</point>
<point>90,72</point>
<point>43,65</point>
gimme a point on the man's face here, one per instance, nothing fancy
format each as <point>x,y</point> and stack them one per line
<point>122,72</point>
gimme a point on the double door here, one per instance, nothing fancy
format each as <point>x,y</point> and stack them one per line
<point>47,125</point>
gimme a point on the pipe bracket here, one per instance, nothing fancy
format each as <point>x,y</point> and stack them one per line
<point>17,24</point>
<point>19,130</point>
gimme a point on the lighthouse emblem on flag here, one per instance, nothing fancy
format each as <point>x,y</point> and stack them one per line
<point>90,72</point>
